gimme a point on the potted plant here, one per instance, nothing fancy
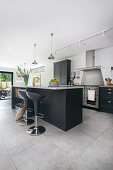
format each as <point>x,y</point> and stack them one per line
<point>23,73</point>
<point>53,83</point>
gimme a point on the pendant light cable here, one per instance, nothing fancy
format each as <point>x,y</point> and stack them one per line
<point>51,41</point>
<point>51,55</point>
<point>34,62</point>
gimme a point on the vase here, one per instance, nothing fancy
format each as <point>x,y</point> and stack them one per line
<point>26,81</point>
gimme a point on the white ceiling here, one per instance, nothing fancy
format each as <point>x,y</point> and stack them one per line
<point>24,22</point>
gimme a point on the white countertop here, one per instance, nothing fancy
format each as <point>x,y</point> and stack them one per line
<point>51,88</point>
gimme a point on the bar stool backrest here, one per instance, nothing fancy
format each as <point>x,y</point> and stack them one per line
<point>35,97</point>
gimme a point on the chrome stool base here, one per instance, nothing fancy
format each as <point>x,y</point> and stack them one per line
<point>30,129</point>
<point>36,131</point>
<point>25,122</point>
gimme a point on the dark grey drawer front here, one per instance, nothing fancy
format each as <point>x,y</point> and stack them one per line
<point>106,94</point>
<point>106,89</point>
<point>106,103</point>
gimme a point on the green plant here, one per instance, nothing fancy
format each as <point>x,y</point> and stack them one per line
<point>5,76</point>
<point>53,80</point>
<point>24,74</point>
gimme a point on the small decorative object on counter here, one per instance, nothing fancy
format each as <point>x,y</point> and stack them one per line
<point>108,82</point>
<point>36,79</point>
<point>23,73</point>
<point>53,83</point>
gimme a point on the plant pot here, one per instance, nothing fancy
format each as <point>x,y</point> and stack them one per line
<point>53,84</point>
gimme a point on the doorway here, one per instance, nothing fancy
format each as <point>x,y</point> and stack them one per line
<point>6,82</point>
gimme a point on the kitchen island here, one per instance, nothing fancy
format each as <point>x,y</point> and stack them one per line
<point>62,106</point>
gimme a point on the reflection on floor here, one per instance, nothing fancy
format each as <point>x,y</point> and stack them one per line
<point>5,104</point>
<point>88,146</point>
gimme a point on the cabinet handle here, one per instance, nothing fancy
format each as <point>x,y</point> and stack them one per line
<point>109,89</point>
<point>109,92</point>
<point>109,101</point>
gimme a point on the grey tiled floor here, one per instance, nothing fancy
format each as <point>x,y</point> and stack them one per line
<point>88,146</point>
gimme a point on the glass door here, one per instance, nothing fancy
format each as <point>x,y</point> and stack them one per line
<point>6,82</point>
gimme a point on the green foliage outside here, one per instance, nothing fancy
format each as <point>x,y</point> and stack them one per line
<point>4,76</point>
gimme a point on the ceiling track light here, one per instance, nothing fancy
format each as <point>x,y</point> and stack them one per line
<point>102,34</point>
<point>51,57</point>
<point>34,62</point>
<point>79,43</point>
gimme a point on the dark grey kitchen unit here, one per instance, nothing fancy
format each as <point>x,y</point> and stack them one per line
<point>106,99</point>
<point>62,71</point>
<point>62,106</point>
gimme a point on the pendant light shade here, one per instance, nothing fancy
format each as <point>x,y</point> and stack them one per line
<point>51,57</point>
<point>34,62</point>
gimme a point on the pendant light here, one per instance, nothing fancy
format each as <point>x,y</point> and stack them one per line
<point>51,57</point>
<point>34,62</point>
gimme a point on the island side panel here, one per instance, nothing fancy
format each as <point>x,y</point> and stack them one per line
<point>53,106</point>
<point>73,108</point>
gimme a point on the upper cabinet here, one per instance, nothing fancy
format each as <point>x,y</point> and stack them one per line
<point>62,71</point>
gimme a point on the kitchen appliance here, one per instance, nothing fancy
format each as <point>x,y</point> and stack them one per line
<point>91,103</point>
<point>92,74</point>
<point>91,80</point>
<point>90,61</point>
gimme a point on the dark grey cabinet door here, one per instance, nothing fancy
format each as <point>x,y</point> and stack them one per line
<point>57,71</point>
<point>62,71</point>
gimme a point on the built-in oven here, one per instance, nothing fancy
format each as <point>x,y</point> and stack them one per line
<point>91,103</point>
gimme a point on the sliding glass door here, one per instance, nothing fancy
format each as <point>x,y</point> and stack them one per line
<point>6,82</point>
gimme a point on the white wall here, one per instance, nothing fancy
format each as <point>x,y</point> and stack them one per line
<point>104,58</point>
<point>45,76</point>
<point>78,62</point>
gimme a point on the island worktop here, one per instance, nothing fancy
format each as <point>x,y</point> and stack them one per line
<point>62,106</point>
<point>50,88</point>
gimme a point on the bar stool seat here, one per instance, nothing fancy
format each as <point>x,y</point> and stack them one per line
<point>25,121</point>
<point>36,98</point>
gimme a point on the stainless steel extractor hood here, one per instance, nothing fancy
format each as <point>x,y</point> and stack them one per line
<point>92,74</point>
<point>90,62</point>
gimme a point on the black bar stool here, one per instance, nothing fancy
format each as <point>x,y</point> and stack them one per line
<point>25,121</point>
<point>36,130</point>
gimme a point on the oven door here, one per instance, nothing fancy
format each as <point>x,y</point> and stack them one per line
<point>89,103</point>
